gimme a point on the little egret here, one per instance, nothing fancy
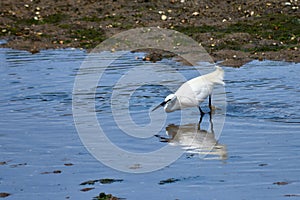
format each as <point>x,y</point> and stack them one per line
<point>193,92</point>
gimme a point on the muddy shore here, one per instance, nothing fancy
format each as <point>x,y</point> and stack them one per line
<point>232,31</point>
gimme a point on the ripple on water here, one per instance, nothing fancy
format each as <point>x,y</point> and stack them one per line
<point>269,92</point>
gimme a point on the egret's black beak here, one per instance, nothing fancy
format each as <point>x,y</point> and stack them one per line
<point>162,104</point>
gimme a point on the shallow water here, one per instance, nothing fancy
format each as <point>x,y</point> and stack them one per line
<point>257,156</point>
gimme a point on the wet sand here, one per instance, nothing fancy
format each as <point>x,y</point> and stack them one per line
<point>231,31</point>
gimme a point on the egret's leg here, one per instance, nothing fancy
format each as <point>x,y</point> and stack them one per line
<point>209,103</point>
<point>201,117</point>
<point>201,112</point>
<point>211,122</point>
<point>199,126</point>
<point>200,120</point>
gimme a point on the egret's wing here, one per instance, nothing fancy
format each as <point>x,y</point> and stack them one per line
<point>196,89</point>
<point>185,90</point>
<point>199,88</point>
<point>186,96</point>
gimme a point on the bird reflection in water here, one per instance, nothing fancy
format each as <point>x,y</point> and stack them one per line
<point>195,141</point>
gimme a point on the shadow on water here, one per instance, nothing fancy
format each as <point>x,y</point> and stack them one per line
<point>195,140</point>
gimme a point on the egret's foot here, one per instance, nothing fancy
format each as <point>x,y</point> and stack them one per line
<point>198,127</point>
<point>212,109</point>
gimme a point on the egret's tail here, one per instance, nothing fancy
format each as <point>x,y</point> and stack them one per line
<point>217,76</point>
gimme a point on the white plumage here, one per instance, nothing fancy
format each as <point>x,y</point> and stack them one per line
<point>193,92</point>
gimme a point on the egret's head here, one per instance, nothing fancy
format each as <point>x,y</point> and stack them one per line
<point>170,100</point>
<point>168,103</point>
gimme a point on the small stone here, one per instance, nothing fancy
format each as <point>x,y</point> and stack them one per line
<point>195,13</point>
<point>169,180</point>
<point>87,189</point>
<point>280,183</point>
<point>164,17</point>
<point>90,182</point>
<point>53,172</point>
<point>4,194</point>
<point>262,164</point>
<point>292,195</point>
<point>68,164</point>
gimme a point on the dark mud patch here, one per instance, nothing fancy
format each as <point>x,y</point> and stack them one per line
<point>292,195</point>
<point>68,164</point>
<point>281,183</point>
<point>174,180</point>
<point>104,196</point>
<point>102,181</point>
<point>52,172</point>
<point>18,165</point>
<point>169,180</point>
<point>87,189</point>
<point>4,194</point>
<point>3,163</point>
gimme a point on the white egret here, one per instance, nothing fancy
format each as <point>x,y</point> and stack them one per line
<point>193,92</point>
